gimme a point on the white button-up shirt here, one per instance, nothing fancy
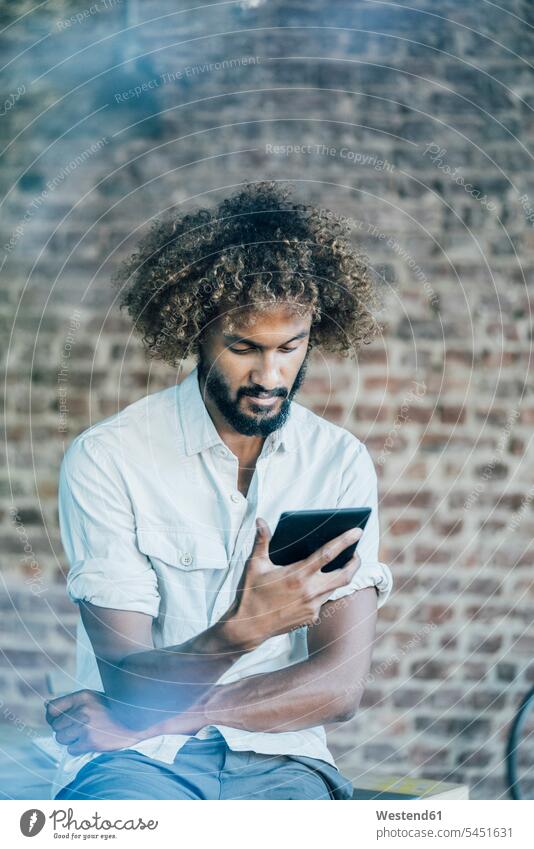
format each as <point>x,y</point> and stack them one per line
<point>152,520</point>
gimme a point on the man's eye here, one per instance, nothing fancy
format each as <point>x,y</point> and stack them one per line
<point>248,350</point>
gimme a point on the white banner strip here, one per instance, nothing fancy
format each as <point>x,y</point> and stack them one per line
<point>304,824</point>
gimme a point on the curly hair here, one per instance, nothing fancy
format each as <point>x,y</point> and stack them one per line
<point>258,247</point>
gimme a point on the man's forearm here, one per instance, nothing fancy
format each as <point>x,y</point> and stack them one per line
<point>148,688</point>
<point>289,699</point>
<point>326,687</point>
<point>308,693</point>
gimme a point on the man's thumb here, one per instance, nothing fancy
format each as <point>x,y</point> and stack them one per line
<point>263,535</point>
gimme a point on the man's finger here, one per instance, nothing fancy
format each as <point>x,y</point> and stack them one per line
<point>65,720</point>
<point>63,703</point>
<point>328,552</point>
<point>68,735</point>
<point>326,582</point>
<point>57,706</point>
<point>52,718</point>
<point>342,577</point>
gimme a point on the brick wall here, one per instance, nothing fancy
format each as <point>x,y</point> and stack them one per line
<point>416,123</point>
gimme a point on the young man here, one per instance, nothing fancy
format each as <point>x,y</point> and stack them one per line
<point>206,671</point>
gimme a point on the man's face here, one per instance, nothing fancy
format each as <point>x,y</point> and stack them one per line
<point>253,372</point>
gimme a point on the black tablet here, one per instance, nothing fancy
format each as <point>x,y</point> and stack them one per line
<point>301,532</point>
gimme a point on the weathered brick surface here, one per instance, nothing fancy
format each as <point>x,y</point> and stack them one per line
<point>397,105</point>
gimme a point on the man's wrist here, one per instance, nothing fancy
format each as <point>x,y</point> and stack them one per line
<point>234,636</point>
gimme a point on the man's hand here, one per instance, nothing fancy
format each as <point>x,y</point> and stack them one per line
<point>84,722</point>
<point>274,599</point>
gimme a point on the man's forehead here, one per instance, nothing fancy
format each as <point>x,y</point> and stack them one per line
<point>269,319</point>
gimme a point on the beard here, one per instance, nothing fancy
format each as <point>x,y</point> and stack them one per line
<point>261,423</point>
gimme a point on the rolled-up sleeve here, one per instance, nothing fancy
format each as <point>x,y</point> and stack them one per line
<point>360,489</point>
<point>97,528</point>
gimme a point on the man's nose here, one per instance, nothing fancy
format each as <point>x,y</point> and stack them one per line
<point>267,374</point>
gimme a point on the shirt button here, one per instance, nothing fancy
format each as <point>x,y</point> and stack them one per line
<point>222,452</point>
<point>186,559</point>
<point>235,497</point>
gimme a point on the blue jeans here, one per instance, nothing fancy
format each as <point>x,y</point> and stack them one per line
<point>207,769</point>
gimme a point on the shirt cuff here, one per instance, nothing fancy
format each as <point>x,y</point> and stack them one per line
<point>101,582</point>
<point>370,574</point>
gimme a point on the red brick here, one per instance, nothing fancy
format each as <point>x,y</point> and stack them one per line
<point>372,413</point>
<point>372,356</point>
<point>448,528</point>
<point>430,669</point>
<point>452,414</point>
<point>331,412</point>
<point>388,385</point>
<point>426,554</point>
<point>414,413</point>
<point>437,613</point>
<point>404,526</point>
<point>414,498</point>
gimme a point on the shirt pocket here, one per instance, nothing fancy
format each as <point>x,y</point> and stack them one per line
<point>191,568</point>
<point>182,549</point>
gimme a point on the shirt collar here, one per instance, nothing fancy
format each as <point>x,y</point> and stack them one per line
<point>200,432</point>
